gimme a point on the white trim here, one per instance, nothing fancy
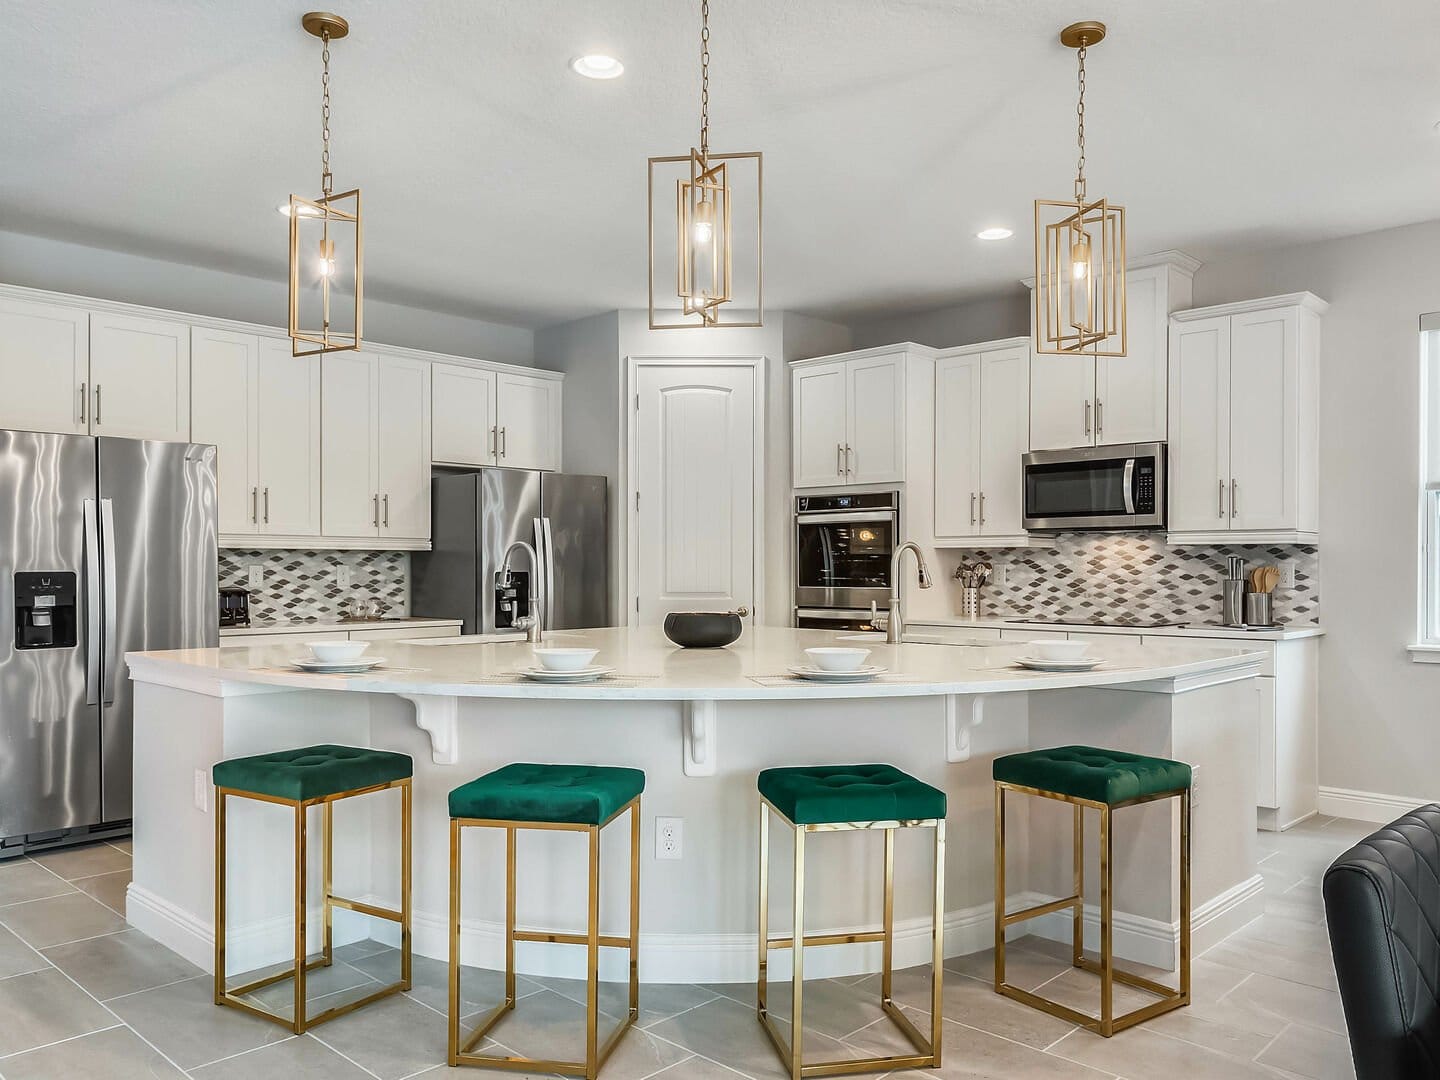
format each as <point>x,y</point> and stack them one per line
<point>757,365</point>
<point>1239,536</point>
<point>1367,805</point>
<point>1306,300</point>
<point>267,542</point>
<point>1424,653</point>
<point>863,354</point>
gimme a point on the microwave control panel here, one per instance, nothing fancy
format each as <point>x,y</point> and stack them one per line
<point>1145,486</point>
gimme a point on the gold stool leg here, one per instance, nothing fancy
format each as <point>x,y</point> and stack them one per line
<point>454,1018</point>
<point>887,948</point>
<point>999,886</point>
<point>1107,939</point>
<point>298,1025</point>
<point>937,958</point>
<point>220,884</point>
<point>592,962</point>
<point>407,858</point>
<point>635,911</point>
<point>327,862</point>
<point>511,840</point>
<point>797,985</point>
<point>1185,896</point>
<point>762,979</point>
<point>1077,929</point>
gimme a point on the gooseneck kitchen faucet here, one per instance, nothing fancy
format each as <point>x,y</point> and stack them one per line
<point>529,623</point>
<point>895,622</point>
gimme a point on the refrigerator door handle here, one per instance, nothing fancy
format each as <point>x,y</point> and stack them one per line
<point>111,632</point>
<point>549,575</point>
<point>93,603</point>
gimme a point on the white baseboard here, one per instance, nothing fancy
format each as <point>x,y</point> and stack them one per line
<point>1367,805</point>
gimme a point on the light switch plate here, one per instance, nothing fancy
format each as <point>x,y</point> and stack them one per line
<point>256,578</point>
<point>342,576</point>
<point>1287,574</point>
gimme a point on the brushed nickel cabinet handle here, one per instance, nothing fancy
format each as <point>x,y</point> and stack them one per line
<point>839,459</point>
<point>255,505</point>
<point>97,404</point>
<point>82,402</point>
<point>1099,417</point>
<point>1087,416</point>
<point>1234,498</point>
<point>375,515</point>
<point>387,510</point>
<point>504,443</point>
<point>982,509</point>
<point>972,508</point>
<point>494,440</point>
<point>267,506</point>
<point>849,464</point>
<point>1220,506</point>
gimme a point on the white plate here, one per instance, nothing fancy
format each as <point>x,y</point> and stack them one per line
<point>864,674</point>
<point>589,674</point>
<point>347,667</point>
<point>1036,663</point>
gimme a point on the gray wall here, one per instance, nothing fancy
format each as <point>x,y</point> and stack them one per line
<point>1002,316</point>
<point>104,274</point>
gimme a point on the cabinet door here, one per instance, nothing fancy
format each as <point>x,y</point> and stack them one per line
<point>403,429</point>
<point>400,633</point>
<point>140,374</point>
<point>288,440</point>
<point>44,366</point>
<point>222,411</point>
<point>462,415</point>
<point>1062,401</point>
<point>1004,435</point>
<point>875,404</point>
<point>1130,390</point>
<point>349,493</point>
<point>958,434</point>
<point>818,424</point>
<point>1264,388</point>
<point>1200,425</point>
<point>528,416</point>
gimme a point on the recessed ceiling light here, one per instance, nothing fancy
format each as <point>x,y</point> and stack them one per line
<point>597,66</point>
<point>995,234</point>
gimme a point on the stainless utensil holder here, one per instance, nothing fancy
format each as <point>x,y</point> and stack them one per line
<point>1259,609</point>
<point>970,602</point>
<point>1232,603</point>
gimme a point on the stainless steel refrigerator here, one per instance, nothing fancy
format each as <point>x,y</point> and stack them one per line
<point>477,516</point>
<point>107,546</point>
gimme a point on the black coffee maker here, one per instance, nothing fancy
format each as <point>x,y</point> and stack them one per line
<point>234,607</point>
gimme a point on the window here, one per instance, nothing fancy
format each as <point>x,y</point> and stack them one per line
<point>1430,490</point>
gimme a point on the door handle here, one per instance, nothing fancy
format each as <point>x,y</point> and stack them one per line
<point>1087,416</point>
<point>97,404</point>
<point>387,510</point>
<point>1234,498</point>
<point>83,395</point>
<point>375,514</point>
<point>549,574</point>
<point>94,602</point>
<point>1129,486</point>
<point>1220,507</point>
<point>972,508</point>
<point>267,506</point>
<point>111,631</point>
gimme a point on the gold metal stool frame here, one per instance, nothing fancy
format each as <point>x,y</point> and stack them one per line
<point>927,1052</point>
<point>596,1053</point>
<point>302,1022</point>
<point>1107,1023</point>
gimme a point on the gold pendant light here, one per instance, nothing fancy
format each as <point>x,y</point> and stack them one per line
<point>326,237</point>
<point>1080,251</point>
<point>711,192</point>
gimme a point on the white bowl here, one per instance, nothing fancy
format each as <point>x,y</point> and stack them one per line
<point>564,659</point>
<point>1055,649</point>
<point>833,659</point>
<point>337,652</point>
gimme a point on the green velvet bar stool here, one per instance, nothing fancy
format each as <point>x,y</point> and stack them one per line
<point>1105,780</point>
<point>842,798</point>
<point>574,798</point>
<point>299,779</point>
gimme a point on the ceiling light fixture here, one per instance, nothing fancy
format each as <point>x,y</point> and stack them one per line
<point>597,66</point>
<point>707,197</point>
<point>326,256</point>
<point>1080,251</point>
<point>997,233</point>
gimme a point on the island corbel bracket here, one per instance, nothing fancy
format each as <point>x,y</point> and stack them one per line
<point>439,717</point>
<point>697,729</point>
<point>962,712</point>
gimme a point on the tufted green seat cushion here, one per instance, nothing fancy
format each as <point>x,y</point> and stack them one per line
<point>1088,772</point>
<point>830,794</point>
<point>312,772</point>
<point>564,794</point>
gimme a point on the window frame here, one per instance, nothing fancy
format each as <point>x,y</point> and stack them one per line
<point>1427,647</point>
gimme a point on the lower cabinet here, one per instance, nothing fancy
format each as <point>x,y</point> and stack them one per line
<point>287,636</point>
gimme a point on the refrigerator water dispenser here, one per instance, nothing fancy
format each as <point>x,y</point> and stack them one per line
<point>45,610</point>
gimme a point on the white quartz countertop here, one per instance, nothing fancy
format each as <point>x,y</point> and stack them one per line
<point>1193,630</point>
<point>337,625</point>
<point>649,667</point>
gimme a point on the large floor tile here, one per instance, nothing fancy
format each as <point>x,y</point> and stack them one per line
<point>975,1003</point>
<point>723,1030</point>
<point>109,889</point>
<point>392,1038</point>
<point>1142,1054</point>
<point>656,1002</point>
<point>320,983</point>
<point>16,957</point>
<point>696,1068</point>
<point>480,988</point>
<point>1318,1055</point>
<point>1290,1001</point>
<point>970,1053</point>
<point>43,923</point>
<point>183,1021</point>
<point>116,1054</point>
<point>1309,965</point>
<point>21,880</point>
<point>120,963</point>
<point>294,1059</point>
<point>45,1007</point>
<point>1026,965</point>
<point>84,862</point>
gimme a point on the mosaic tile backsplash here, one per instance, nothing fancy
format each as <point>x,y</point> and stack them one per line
<point>300,585</point>
<point>1131,577</point>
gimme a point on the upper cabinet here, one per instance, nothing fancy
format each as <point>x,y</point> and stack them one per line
<point>484,417</point>
<point>527,418</point>
<point>849,417</point>
<point>44,367</point>
<point>1080,400</point>
<point>1244,418</point>
<point>463,415</point>
<point>982,395</point>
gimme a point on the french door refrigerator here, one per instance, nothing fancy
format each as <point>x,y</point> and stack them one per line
<point>477,516</point>
<point>107,546</point>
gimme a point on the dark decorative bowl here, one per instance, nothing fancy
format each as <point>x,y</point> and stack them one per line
<point>702,629</point>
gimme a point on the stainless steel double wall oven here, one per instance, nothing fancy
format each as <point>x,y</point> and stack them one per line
<point>843,546</point>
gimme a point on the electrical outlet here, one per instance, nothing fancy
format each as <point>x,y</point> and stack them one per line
<point>342,576</point>
<point>1287,574</point>
<point>669,837</point>
<point>202,791</point>
<point>256,578</point>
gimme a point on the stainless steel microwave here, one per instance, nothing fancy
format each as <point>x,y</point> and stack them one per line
<point>1096,487</point>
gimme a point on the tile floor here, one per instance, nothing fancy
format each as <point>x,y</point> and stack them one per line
<point>83,996</point>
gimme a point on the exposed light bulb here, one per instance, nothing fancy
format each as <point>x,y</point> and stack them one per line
<point>326,263</point>
<point>1080,258</point>
<point>703,230</point>
<point>302,210</point>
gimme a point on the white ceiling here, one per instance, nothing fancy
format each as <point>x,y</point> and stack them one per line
<point>499,184</point>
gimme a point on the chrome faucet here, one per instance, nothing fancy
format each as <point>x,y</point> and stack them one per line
<point>529,623</point>
<point>895,622</point>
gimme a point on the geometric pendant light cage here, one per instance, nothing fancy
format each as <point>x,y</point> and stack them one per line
<point>1080,252</point>
<point>327,257</point>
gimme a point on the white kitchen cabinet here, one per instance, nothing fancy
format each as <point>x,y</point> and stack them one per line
<point>463,415</point>
<point>375,448</point>
<point>400,633</point>
<point>848,418</point>
<point>875,407</point>
<point>139,377</point>
<point>44,367</point>
<point>223,375</point>
<point>1244,422</point>
<point>981,432</point>
<point>818,415</point>
<point>1080,400</point>
<point>527,418</point>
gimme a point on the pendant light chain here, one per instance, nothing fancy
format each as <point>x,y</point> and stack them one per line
<point>1080,130</point>
<point>326,181</point>
<point>705,80</point>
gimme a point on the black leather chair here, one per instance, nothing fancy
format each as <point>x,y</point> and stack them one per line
<point>1382,903</point>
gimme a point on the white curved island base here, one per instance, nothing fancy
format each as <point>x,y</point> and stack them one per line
<point>701,724</point>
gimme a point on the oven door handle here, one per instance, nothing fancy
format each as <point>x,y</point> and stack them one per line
<point>886,518</point>
<point>1130,486</point>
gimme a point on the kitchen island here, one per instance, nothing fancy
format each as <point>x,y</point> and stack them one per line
<point>701,723</point>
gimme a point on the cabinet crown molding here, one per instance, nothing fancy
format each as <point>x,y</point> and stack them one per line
<point>982,346</point>
<point>1171,257</point>
<point>911,347</point>
<point>1307,301</point>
